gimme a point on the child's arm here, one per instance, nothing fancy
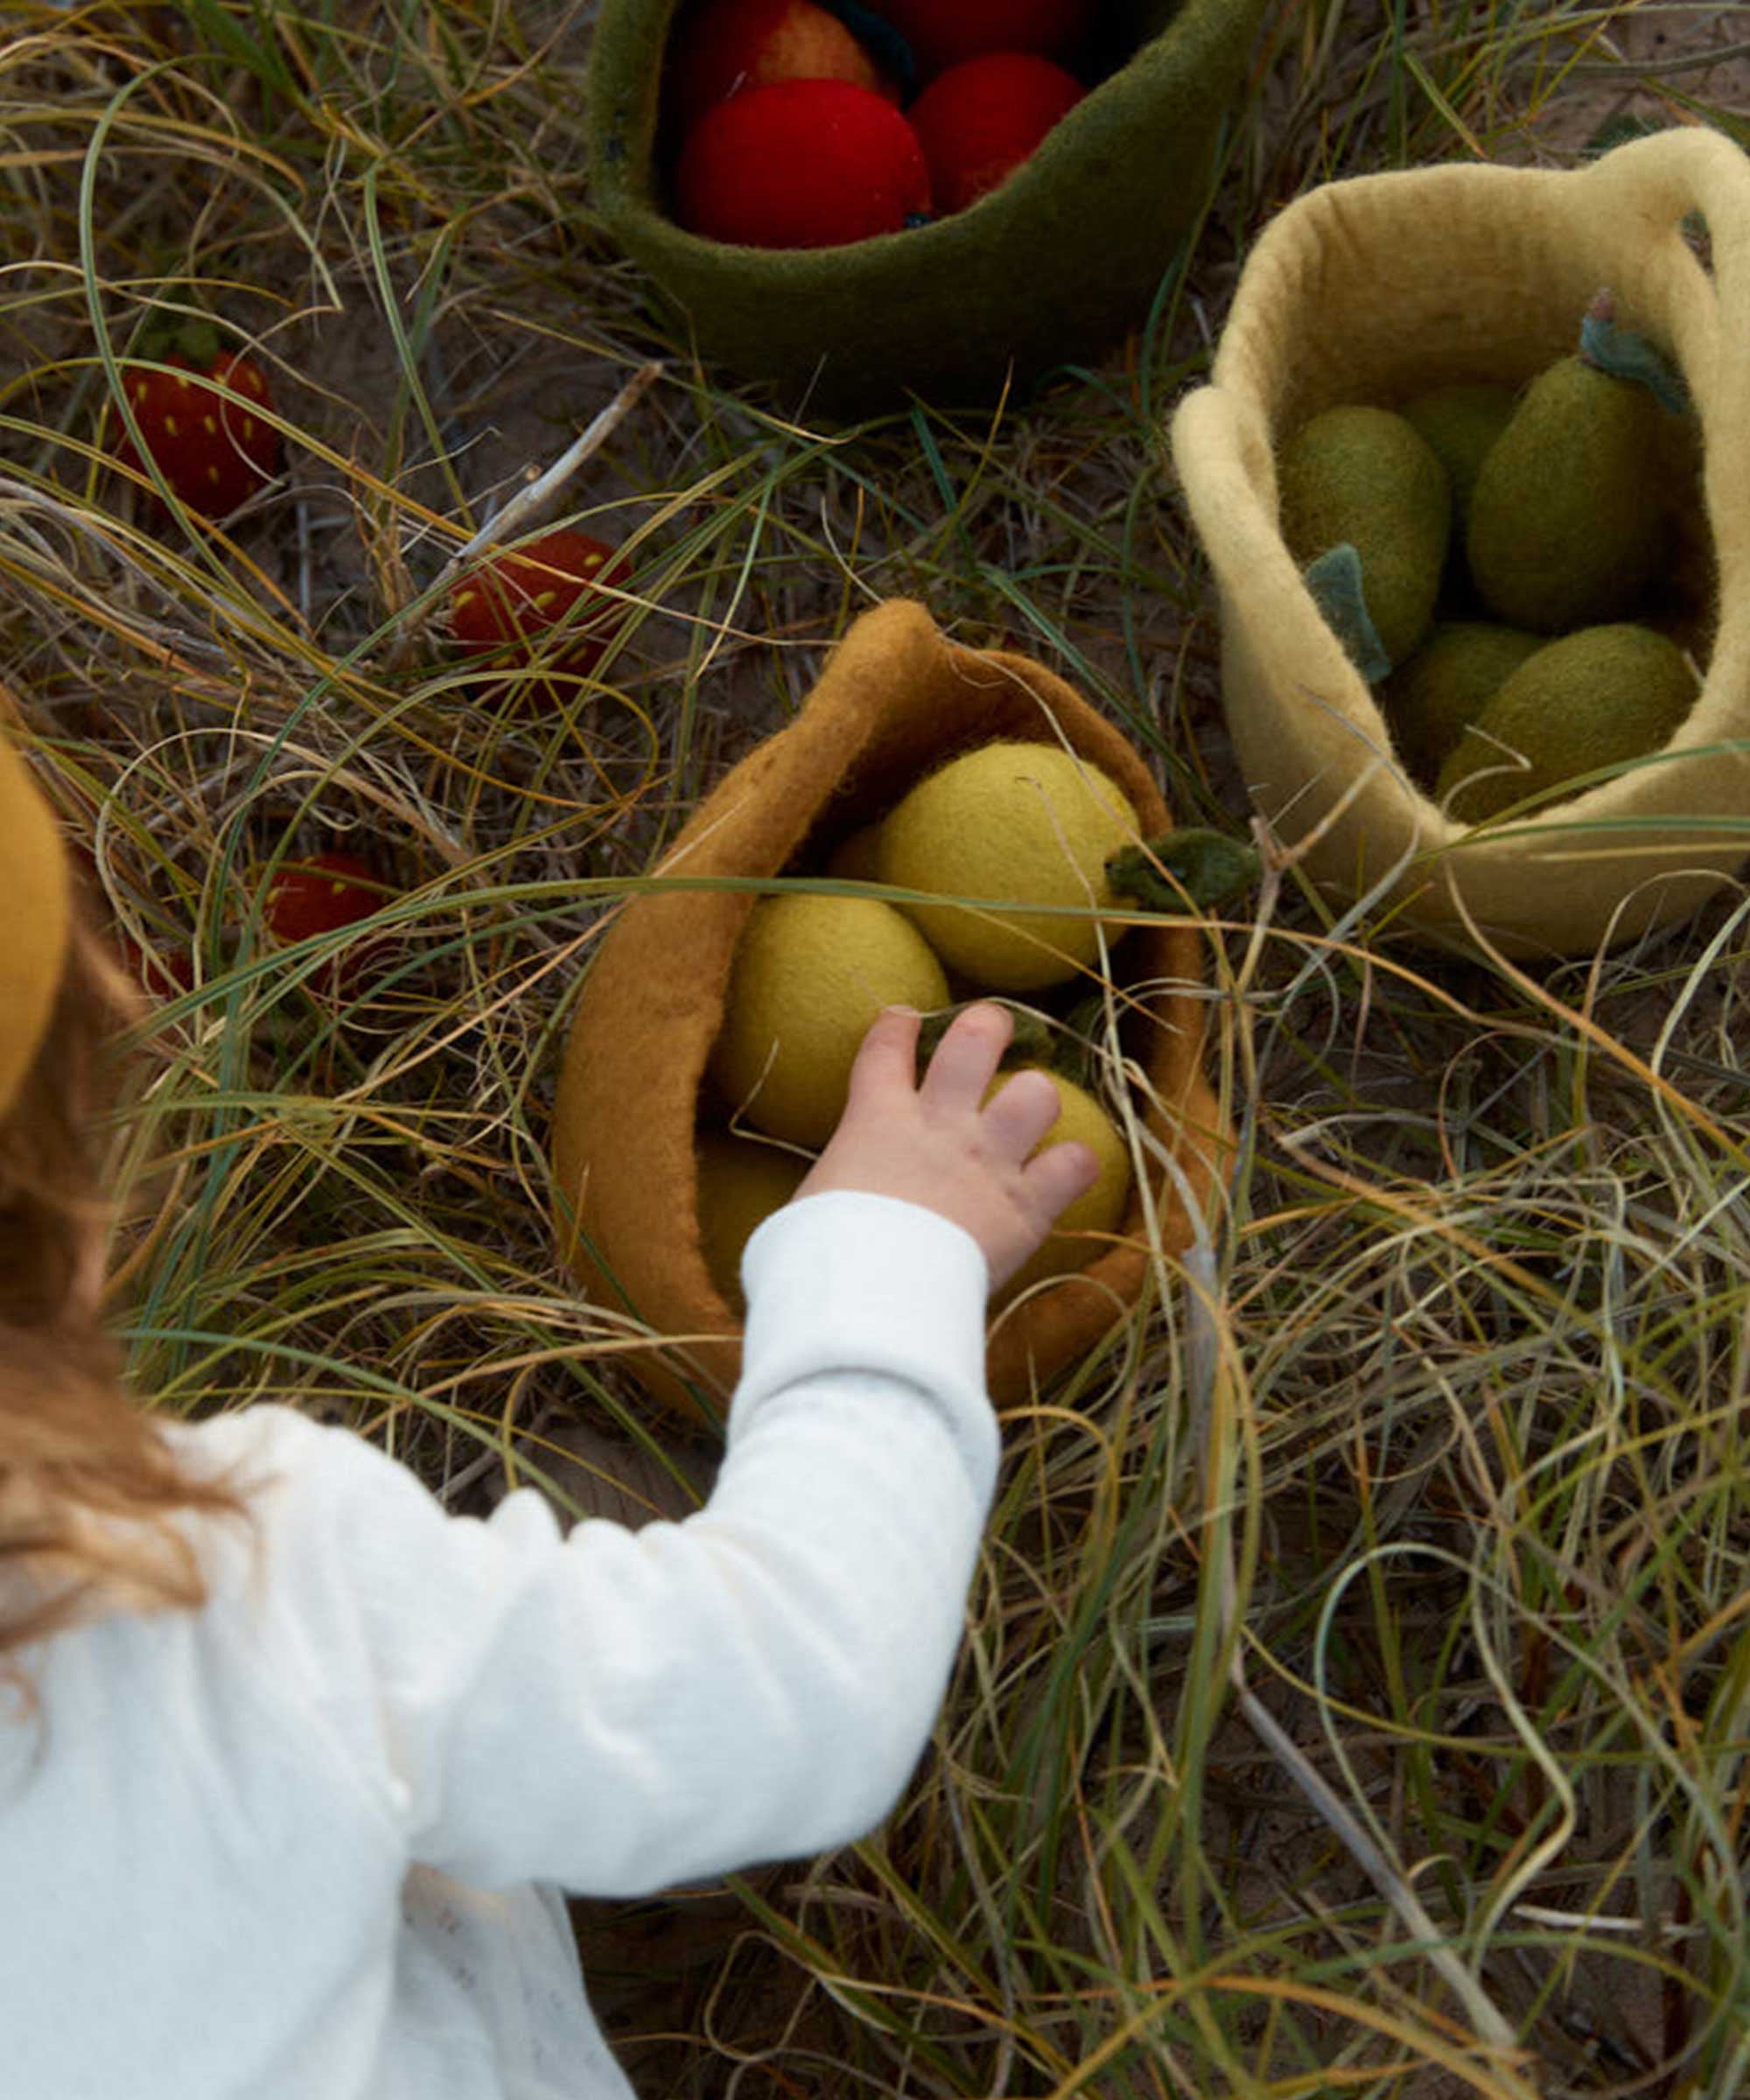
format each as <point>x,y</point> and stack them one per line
<point>619,1711</point>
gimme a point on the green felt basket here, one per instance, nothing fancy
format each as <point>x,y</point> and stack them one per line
<point>1051,268</point>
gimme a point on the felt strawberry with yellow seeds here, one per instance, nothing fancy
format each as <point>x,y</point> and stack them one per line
<point>203,420</point>
<point>535,601</point>
<point>325,895</point>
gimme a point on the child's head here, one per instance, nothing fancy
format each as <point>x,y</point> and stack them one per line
<point>85,1478</point>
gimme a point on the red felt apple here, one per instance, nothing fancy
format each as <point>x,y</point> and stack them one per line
<point>943,32</point>
<point>509,605</point>
<point>801,163</point>
<point>723,46</point>
<point>980,120</point>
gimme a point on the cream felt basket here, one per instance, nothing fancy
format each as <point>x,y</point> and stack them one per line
<point>895,700</point>
<point>1374,289</point>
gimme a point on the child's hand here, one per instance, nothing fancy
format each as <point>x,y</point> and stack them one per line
<point>937,1143</point>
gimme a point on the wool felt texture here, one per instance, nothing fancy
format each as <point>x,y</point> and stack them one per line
<point>1582,703</point>
<point>1364,478</point>
<point>1082,1119</point>
<point>1556,551</point>
<point>963,832</point>
<point>1459,424</point>
<point>810,974</point>
<point>894,700</point>
<point>1052,267</point>
<point>1378,289</point>
<point>1432,700</point>
<point>36,884</point>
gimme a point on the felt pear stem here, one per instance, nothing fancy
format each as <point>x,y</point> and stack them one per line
<point>1198,867</point>
<point>1033,1043</point>
<point>1626,355</point>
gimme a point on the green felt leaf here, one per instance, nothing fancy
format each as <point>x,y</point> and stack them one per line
<point>1194,865</point>
<point>1334,578</point>
<point>165,335</point>
<point>1626,355</point>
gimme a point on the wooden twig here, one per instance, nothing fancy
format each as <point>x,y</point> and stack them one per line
<point>528,500</point>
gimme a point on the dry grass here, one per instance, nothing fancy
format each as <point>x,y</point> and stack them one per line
<point>1355,1688</point>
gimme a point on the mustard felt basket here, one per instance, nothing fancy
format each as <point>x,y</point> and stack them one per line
<point>1374,290</point>
<point>894,699</point>
<point>1054,266</point>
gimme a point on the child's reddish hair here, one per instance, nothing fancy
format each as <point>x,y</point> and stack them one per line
<point>88,1484</point>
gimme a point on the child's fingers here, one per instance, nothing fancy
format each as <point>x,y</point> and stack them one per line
<point>967,1057</point>
<point>887,1057</point>
<point>1059,1174</point>
<point>1022,1110</point>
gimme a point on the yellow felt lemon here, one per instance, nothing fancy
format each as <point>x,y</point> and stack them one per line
<point>1025,824</point>
<point>741,1183</point>
<point>1081,1118</point>
<point>810,974</point>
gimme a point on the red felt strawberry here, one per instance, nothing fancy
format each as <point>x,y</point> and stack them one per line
<point>322,894</point>
<point>725,46</point>
<point>202,425</point>
<point>163,973</point>
<point>980,120</point>
<point>325,894</point>
<point>943,32</point>
<point>800,163</point>
<point>512,604</point>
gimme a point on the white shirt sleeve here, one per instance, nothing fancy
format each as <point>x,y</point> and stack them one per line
<point>619,1711</point>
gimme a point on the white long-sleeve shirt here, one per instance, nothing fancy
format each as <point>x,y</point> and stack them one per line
<point>307,1842</point>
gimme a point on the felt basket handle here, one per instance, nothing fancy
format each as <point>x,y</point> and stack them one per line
<point>1667,177</point>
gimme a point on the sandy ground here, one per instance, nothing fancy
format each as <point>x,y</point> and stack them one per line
<point>1684,55</point>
